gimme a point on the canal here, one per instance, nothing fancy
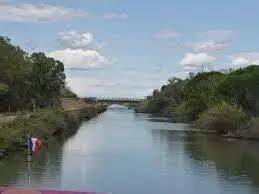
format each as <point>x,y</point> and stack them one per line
<point>130,153</point>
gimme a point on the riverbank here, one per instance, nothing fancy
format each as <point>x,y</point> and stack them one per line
<point>139,147</point>
<point>43,124</point>
<point>221,126</point>
<point>222,101</point>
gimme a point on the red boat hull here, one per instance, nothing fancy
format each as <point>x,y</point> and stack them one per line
<point>18,191</point>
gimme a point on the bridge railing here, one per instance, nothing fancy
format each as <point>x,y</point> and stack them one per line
<point>113,99</point>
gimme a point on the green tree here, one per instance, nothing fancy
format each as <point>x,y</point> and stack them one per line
<point>47,79</point>
<point>66,92</point>
<point>27,80</point>
<point>242,87</point>
<point>201,92</point>
<point>14,68</point>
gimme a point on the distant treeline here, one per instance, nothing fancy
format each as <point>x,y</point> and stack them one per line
<point>222,101</point>
<point>29,81</point>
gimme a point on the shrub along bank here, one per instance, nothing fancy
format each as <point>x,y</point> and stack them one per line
<point>226,102</point>
<point>43,124</point>
<point>223,118</point>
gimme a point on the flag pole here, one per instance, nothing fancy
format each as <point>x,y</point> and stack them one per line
<point>29,159</point>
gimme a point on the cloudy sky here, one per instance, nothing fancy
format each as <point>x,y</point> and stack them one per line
<point>127,48</point>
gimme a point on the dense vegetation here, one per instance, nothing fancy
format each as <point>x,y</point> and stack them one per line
<point>44,123</point>
<point>221,101</point>
<point>34,82</point>
<point>29,81</point>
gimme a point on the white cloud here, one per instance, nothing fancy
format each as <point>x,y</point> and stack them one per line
<point>48,13</point>
<point>167,34</point>
<point>240,61</point>
<point>115,16</point>
<point>207,46</point>
<point>245,59</point>
<point>182,74</point>
<point>81,51</point>
<point>74,39</point>
<point>193,61</point>
<point>83,85</point>
<point>37,13</point>
<point>104,87</point>
<point>79,58</point>
<point>213,40</point>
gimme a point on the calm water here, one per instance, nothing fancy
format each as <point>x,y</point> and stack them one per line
<point>127,153</point>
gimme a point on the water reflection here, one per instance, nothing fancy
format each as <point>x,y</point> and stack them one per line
<point>220,165</point>
<point>232,158</point>
<point>45,169</point>
<point>123,152</point>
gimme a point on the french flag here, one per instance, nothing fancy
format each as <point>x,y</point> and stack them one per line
<point>34,144</point>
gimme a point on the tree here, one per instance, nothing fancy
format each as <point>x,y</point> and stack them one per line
<point>242,87</point>
<point>47,79</point>
<point>28,80</point>
<point>14,68</point>
<point>201,92</point>
<point>189,98</point>
<point>66,92</point>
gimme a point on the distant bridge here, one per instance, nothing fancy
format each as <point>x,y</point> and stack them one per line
<point>112,100</point>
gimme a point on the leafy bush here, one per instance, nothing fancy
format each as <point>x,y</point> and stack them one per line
<point>223,118</point>
<point>180,113</point>
<point>185,100</point>
<point>43,124</point>
<point>253,129</point>
<point>148,107</point>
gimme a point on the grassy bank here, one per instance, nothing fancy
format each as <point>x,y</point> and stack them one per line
<point>43,124</point>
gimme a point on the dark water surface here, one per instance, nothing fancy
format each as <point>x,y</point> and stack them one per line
<point>127,153</point>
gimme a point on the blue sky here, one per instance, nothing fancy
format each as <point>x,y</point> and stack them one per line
<point>127,48</point>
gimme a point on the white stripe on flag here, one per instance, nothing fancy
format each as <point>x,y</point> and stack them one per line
<point>33,143</point>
